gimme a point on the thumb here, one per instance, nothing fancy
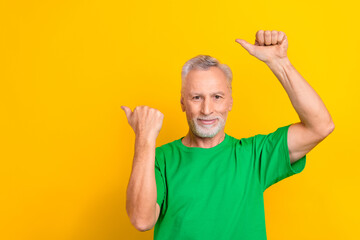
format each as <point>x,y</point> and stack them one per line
<point>249,47</point>
<point>127,111</point>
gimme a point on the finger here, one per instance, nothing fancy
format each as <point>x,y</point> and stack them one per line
<point>284,39</point>
<point>274,37</point>
<point>267,35</point>
<point>281,36</point>
<point>260,37</point>
<point>249,47</point>
<point>127,111</point>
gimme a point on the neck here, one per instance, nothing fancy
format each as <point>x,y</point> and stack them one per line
<point>191,140</point>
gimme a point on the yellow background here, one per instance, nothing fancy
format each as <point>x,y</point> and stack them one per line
<point>67,67</point>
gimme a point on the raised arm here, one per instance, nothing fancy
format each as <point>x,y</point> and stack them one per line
<point>316,122</point>
<point>141,194</point>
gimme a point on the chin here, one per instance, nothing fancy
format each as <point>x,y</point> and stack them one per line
<point>205,132</point>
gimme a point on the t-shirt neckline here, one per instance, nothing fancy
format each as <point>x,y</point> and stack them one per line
<point>199,149</point>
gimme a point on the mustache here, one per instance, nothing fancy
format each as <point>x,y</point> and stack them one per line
<point>209,118</point>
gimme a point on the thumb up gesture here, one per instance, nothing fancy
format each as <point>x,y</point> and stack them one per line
<point>269,45</point>
<point>145,121</point>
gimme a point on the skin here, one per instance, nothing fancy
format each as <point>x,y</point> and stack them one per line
<point>271,48</point>
<point>141,193</point>
<point>201,99</point>
<point>315,120</point>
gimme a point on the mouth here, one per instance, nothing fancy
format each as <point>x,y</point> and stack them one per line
<point>207,122</point>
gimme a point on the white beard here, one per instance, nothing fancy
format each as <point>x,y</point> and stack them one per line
<point>206,131</point>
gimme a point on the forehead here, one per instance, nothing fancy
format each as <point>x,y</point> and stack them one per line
<point>210,80</point>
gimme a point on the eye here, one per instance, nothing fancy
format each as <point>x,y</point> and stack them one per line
<point>217,97</point>
<point>196,97</point>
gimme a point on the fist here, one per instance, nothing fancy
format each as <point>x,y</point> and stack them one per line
<point>269,45</point>
<point>145,121</point>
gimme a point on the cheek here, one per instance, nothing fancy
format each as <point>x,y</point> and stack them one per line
<point>223,109</point>
<point>192,111</point>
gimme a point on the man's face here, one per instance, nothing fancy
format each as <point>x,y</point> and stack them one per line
<point>206,96</point>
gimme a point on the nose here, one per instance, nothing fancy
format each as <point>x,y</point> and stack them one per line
<point>206,108</point>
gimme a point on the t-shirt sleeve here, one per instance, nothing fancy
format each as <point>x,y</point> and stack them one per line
<point>272,159</point>
<point>159,177</point>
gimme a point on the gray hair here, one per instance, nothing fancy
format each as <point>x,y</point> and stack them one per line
<point>204,62</point>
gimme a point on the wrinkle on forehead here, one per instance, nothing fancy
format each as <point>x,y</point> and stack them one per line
<point>206,81</point>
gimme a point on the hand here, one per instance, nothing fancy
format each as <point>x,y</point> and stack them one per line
<point>145,121</point>
<point>269,45</point>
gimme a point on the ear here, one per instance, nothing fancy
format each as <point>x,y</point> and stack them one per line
<point>231,103</point>
<point>182,104</point>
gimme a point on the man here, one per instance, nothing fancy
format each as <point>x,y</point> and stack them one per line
<point>209,185</point>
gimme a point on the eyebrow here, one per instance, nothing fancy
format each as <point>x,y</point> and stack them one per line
<point>219,92</point>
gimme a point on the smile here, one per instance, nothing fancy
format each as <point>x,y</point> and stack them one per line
<point>207,122</point>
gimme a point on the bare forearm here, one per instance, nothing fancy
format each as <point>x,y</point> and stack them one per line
<point>141,191</point>
<point>307,103</point>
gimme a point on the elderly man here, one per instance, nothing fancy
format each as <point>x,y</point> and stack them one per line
<point>208,184</point>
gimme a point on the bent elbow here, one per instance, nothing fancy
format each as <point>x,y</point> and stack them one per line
<point>143,227</point>
<point>328,130</point>
<point>331,128</point>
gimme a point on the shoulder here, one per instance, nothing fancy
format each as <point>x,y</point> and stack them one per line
<point>274,134</point>
<point>243,142</point>
<point>164,150</point>
<point>166,147</point>
<point>260,138</point>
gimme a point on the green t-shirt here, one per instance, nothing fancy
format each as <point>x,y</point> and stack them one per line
<point>217,193</point>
